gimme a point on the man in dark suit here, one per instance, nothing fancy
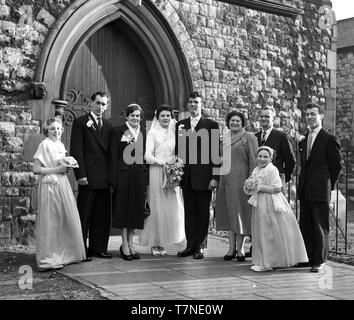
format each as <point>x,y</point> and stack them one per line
<point>197,137</point>
<point>284,155</point>
<point>284,158</point>
<point>320,167</point>
<point>89,146</point>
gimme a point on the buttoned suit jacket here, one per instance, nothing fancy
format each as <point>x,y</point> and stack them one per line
<point>320,172</point>
<point>90,147</point>
<point>198,175</point>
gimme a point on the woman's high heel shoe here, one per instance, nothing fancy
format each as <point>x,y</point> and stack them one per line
<point>230,257</point>
<point>127,257</point>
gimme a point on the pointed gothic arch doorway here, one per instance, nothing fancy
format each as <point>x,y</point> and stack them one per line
<point>112,45</point>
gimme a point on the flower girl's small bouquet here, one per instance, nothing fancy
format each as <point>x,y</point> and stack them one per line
<point>173,172</point>
<point>69,162</point>
<point>251,185</point>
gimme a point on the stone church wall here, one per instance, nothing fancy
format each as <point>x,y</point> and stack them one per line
<point>238,58</point>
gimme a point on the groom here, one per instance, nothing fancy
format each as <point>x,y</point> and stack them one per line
<point>195,138</point>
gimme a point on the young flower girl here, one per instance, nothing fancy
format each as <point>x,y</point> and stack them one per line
<point>276,237</point>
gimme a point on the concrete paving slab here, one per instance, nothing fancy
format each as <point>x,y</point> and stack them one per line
<point>173,278</point>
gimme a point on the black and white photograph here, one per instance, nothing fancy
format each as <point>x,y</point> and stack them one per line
<point>177,156</point>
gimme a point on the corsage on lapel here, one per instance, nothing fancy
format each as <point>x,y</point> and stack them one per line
<point>128,139</point>
<point>89,124</point>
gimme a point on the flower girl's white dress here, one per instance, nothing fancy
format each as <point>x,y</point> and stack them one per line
<point>276,236</point>
<point>165,224</point>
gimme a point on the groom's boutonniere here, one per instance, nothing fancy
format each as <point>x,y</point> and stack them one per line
<point>180,127</point>
<point>89,124</point>
<point>129,139</point>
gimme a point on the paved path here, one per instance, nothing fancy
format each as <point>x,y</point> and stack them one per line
<point>212,278</point>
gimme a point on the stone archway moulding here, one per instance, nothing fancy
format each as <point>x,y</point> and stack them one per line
<point>83,18</point>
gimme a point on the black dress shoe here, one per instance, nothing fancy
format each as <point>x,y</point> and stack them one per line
<point>135,256</point>
<point>303,265</point>
<point>88,259</point>
<point>199,254</point>
<point>186,252</point>
<point>241,258</point>
<point>103,255</point>
<point>127,257</point>
<point>318,267</point>
<point>230,257</point>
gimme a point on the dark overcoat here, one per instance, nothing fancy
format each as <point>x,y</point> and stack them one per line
<point>128,175</point>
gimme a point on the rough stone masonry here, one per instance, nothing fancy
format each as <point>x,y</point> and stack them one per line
<point>238,58</point>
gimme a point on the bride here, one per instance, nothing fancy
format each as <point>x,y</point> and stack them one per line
<point>165,224</point>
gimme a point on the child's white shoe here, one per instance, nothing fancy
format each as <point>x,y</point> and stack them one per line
<point>155,251</point>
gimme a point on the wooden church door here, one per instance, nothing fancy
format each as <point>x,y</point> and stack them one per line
<point>109,61</point>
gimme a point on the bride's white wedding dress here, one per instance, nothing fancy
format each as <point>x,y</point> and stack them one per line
<point>165,224</point>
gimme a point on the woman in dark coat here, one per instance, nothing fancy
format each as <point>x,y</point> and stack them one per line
<point>128,178</point>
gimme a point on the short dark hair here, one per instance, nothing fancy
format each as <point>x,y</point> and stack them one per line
<point>48,122</point>
<point>194,94</point>
<point>235,113</point>
<point>99,93</point>
<point>133,107</point>
<point>163,107</point>
<point>315,105</point>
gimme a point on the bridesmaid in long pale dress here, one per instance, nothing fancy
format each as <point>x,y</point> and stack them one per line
<point>165,225</point>
<point>58,229</point>
<point>276,238</point>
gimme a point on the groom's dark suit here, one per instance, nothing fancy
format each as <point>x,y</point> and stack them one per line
<point>89,146</point>
<point>196,178</point>
<point>319,174</point>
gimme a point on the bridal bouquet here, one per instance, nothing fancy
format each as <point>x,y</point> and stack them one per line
<point>69,162</point>
<point>251,185</point>
<point>173,172</point>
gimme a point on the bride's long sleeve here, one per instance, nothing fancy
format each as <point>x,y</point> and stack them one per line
<point>150,150</point>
